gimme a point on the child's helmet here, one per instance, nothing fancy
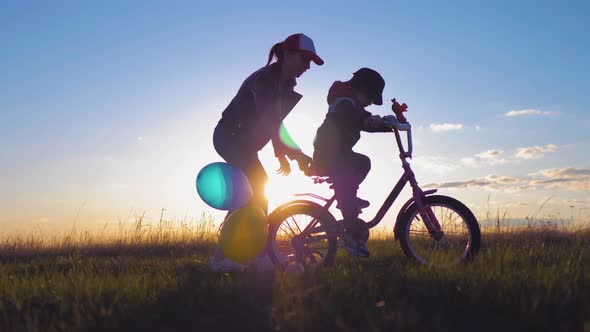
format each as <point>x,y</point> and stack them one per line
<point>369,82</point>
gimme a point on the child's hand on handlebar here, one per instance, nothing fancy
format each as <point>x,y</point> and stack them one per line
<point>399,110</point>
<point>374,121</point>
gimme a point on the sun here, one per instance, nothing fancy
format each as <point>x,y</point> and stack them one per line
<point>281,189</point>
<point>301,126</point>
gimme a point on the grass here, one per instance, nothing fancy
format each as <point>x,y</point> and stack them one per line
<point>158,280</point>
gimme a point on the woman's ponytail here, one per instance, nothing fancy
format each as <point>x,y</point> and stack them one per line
<point>275,52</point>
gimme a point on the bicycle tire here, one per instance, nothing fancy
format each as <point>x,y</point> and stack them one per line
<point>290,210</point>
<point>410,242</point>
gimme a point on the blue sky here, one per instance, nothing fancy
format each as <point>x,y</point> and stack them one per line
<point>108,108</point>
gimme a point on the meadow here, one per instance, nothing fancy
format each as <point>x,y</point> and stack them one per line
<point>158,279</point>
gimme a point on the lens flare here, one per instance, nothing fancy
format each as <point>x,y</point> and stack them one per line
<point>244,234</point>
<point>286,138</point>
<point>223,186</point>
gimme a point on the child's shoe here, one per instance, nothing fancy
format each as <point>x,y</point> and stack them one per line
<point>361,203</point>
<point>224,264</point>
<point>353,246</point>
<point>218,262</point>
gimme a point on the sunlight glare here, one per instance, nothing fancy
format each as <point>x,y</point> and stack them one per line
<point>281,189</point>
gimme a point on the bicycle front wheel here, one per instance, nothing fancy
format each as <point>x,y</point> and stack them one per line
<point>461,239</point>
<point>297,236</point>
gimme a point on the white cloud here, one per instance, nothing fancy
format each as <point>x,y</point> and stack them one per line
<point>445,165</point>
<point>501,179</point>
<point>435,164</point>
<point>469,161</point>
<point>444,127</point>
<point>477,128</point>
<point>572,201</point>
<point>490,182</point>
<point>489,157</point>
<point>497,156</point>
<point>514,204</point>
<point>490,154</point>
<point>568,178</point>
<point>528,111</point>
<point>535,152</point>
<point>568,172</point>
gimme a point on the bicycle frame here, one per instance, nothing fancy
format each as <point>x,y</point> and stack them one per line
<point>418,196</point>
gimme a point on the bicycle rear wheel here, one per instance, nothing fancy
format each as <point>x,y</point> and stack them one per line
<point>296,236</point>
<point>461,240</point>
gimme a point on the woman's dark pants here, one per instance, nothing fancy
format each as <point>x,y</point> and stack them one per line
<point>243,157</point>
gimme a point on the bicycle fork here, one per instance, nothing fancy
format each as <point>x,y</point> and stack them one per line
<point>428,217</point>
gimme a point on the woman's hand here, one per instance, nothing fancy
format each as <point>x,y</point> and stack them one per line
<point>285,168</point>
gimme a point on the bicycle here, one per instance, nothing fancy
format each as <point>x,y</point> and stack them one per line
<point>432,229</point>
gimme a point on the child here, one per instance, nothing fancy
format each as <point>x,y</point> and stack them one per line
<point>335,138</point>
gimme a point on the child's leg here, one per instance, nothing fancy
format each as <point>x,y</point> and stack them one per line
<point>347,178</point>
<point>347,175</point>
<point>361,166</point>
<point>345,188</point>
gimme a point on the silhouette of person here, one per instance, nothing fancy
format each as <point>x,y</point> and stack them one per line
<point>255,116</point>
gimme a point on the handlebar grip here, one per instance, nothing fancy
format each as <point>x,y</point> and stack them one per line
<point>400,126</point>
<point>403,126</point>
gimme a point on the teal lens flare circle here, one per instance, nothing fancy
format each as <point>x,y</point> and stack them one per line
<point>223,186</point>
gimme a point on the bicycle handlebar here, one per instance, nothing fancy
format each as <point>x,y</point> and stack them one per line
<point>397,126</point>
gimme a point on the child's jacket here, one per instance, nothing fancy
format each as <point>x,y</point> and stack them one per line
<point>341,128</point>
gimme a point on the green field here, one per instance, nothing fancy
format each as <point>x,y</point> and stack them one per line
<point>522,280</point>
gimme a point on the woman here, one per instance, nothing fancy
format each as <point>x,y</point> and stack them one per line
<point>255,116</point>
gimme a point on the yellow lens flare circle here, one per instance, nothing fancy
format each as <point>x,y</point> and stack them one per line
<point>244,234</point>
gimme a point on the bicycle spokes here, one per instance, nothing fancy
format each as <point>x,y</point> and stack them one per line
<point>431,222</point>
<point>300,239</point>
<point>442,238</point>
